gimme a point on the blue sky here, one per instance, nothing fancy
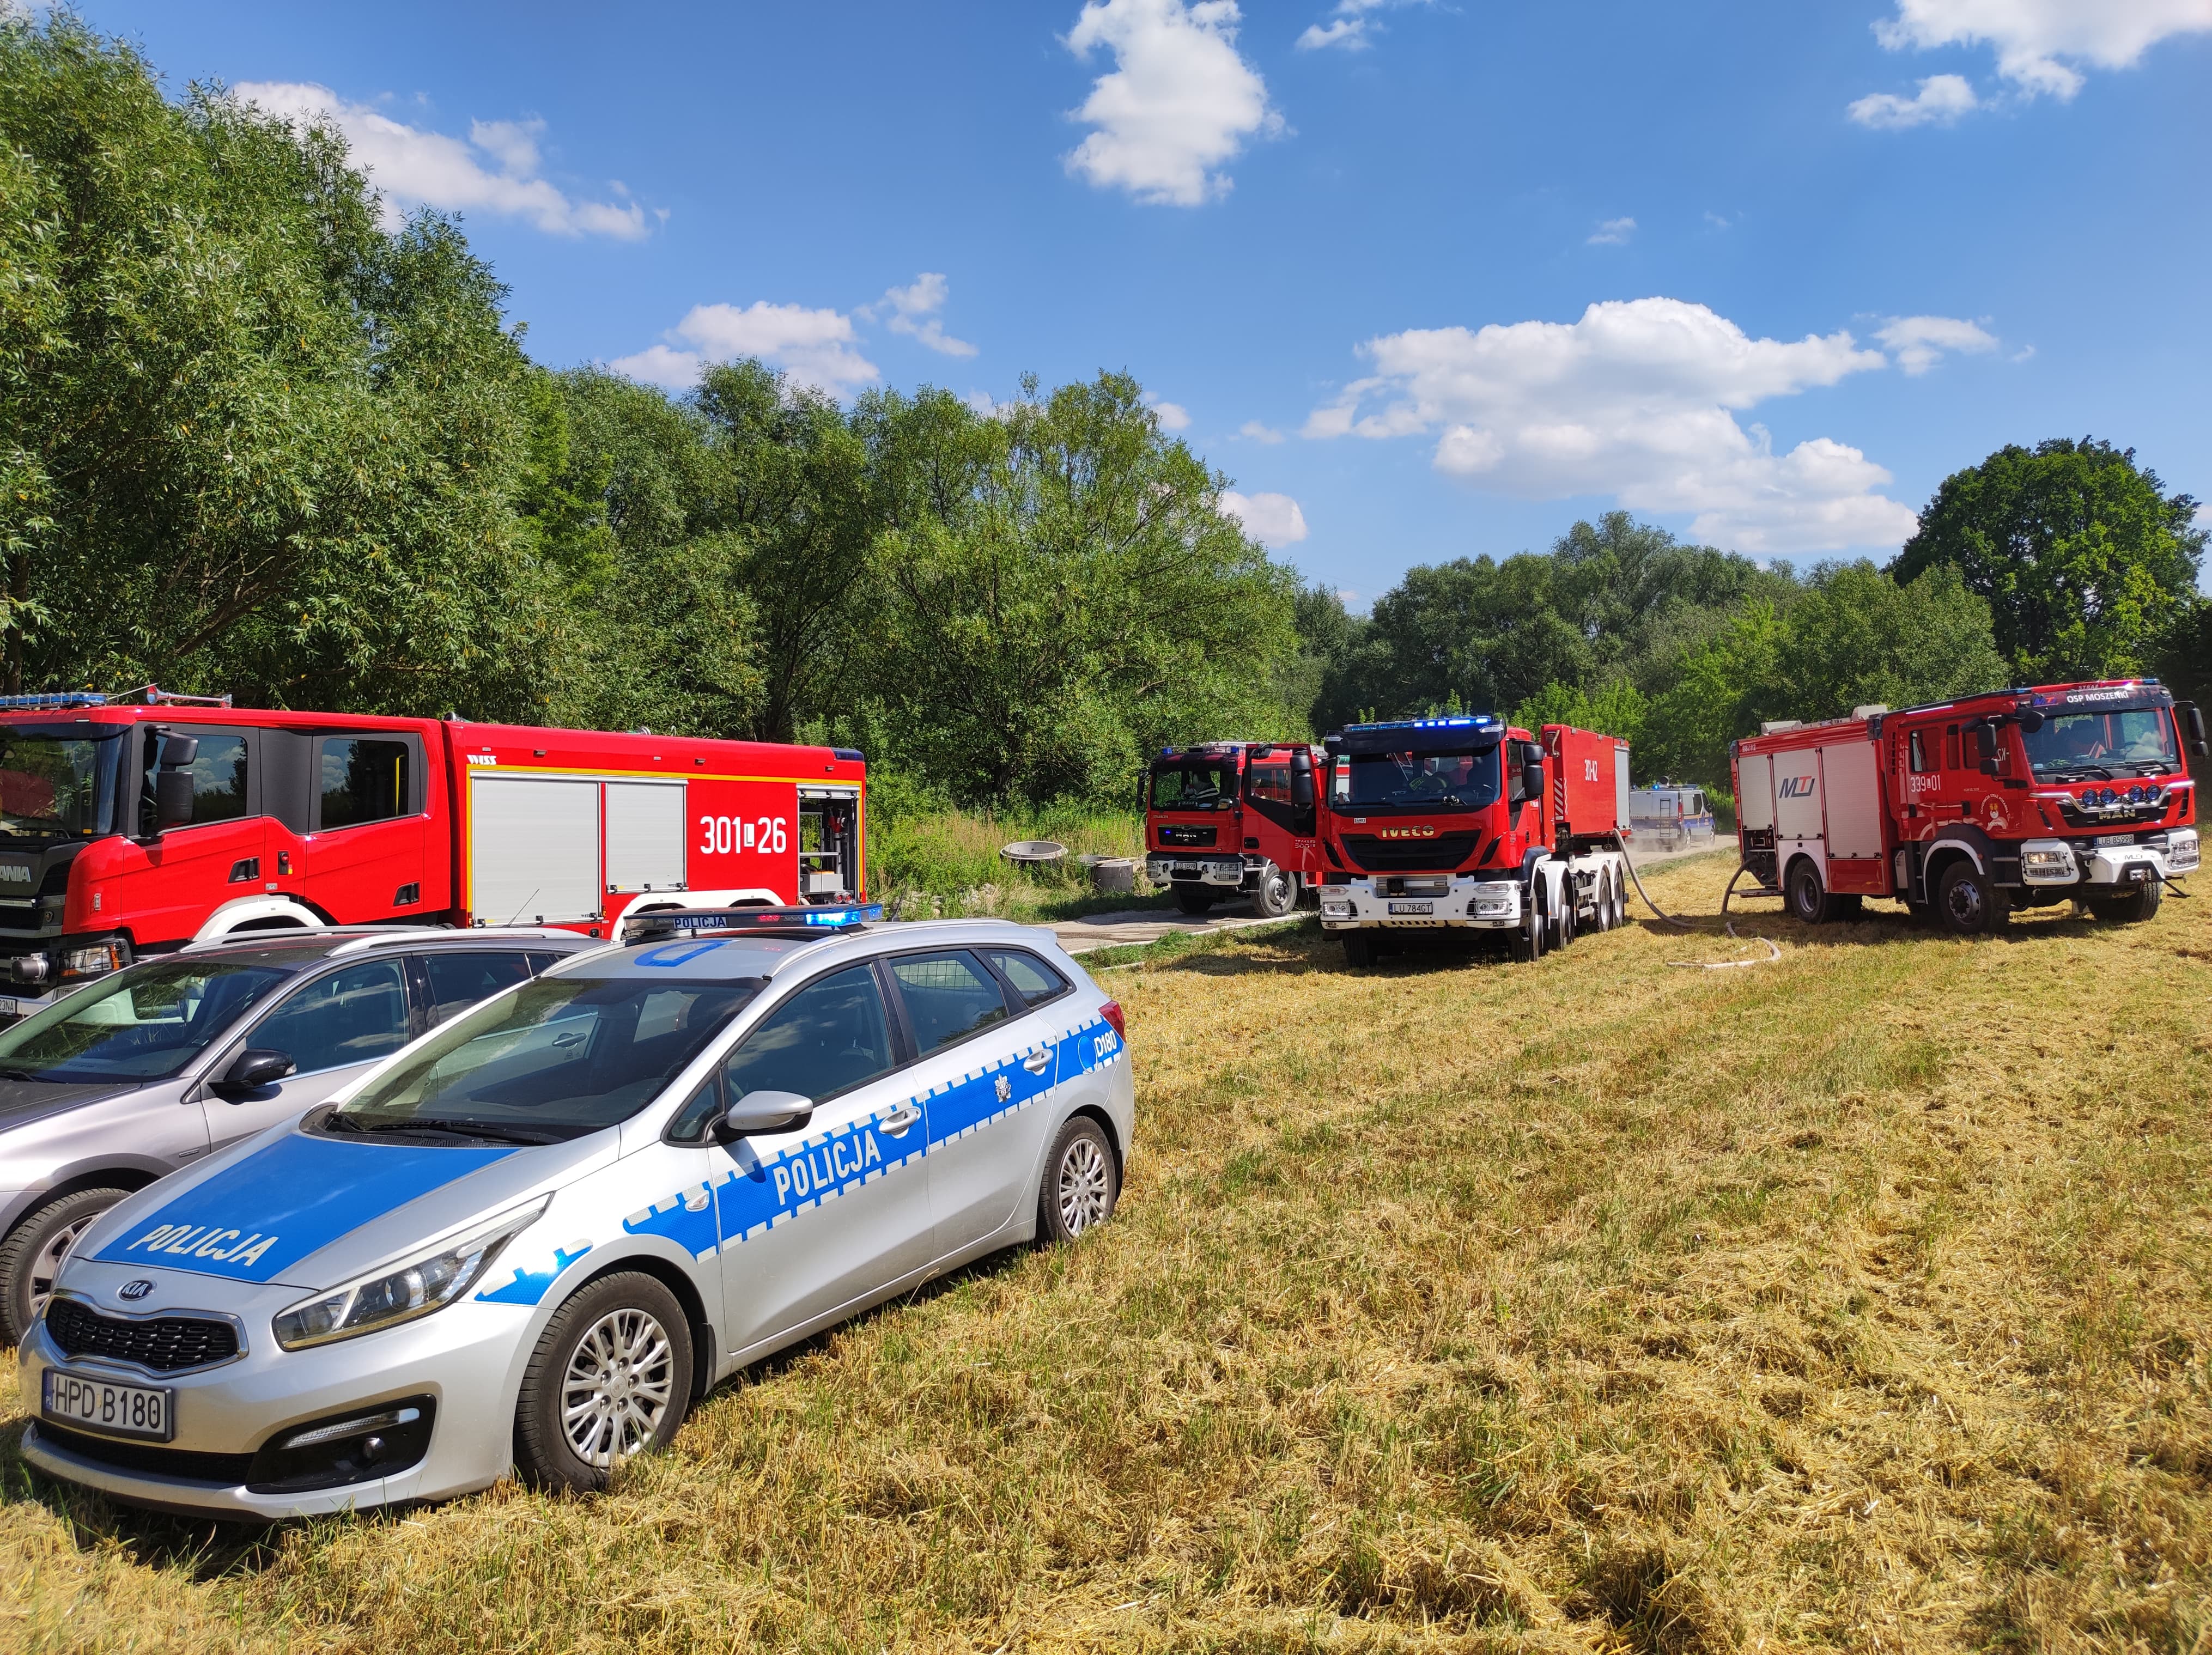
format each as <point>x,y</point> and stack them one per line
<point>1425,280</point>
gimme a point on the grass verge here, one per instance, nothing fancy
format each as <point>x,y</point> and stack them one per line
<point>1853,1302</point>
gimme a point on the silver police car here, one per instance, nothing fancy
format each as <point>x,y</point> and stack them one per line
<point>145,1071</point>
<point>534,1236</point>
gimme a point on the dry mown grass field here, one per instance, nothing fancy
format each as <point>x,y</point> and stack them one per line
<point>1858,1301</point>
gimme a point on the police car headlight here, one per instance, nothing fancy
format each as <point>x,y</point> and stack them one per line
<point>430,1282</point>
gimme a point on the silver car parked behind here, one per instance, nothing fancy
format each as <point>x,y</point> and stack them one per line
<point>183,1054</point>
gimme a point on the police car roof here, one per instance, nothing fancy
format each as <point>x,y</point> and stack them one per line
<point>731,955</point>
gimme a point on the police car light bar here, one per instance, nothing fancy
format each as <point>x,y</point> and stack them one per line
<point>832,918</point>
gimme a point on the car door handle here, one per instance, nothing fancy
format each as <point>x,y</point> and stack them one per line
<point>899,1119</point>
<point>1037,1062</point>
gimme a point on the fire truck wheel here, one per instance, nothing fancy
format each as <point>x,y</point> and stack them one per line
<point>1529,946</point>
<point>1358,950</point>
<point>1563,921</point>
<point>1609,904</point>
<point>1194,899</point>
<point>2138,906</point>
<point>1277,894</point>
<point>1808,898</point>
<point>1967,903</point>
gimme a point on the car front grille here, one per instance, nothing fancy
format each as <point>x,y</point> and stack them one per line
<point>167,1345</point>
<point>1390,856</point>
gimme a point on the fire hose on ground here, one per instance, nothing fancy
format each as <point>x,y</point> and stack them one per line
<point>1773,952</point>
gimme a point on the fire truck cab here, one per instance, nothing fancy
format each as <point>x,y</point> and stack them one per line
<point>1969,809</point>
<point>1229,818</point>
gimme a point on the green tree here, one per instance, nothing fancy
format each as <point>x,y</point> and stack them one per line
<point>1084,602</point>
<point>1617,708</point>
<point>250,440</point>
<point>2085,561</point>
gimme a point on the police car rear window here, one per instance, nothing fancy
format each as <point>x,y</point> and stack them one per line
<point>1033,979</point>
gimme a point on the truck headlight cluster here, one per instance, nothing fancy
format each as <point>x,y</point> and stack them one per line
<point>1336,907</point>
<point>429,1281</point>
<point>2181,851</point>
<point>2047,862</point>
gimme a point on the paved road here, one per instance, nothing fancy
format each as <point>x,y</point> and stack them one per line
<point>1133,927</point>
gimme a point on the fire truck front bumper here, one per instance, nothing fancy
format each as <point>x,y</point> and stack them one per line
<point>1224,872</point>
<point>1410,902</point>
<point>2115,862</point>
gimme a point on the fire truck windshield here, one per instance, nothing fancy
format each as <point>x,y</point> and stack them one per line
<point>1194,784</point>
<point>54,786</point>
<point>2111,741</point>
<point>1417,781</point>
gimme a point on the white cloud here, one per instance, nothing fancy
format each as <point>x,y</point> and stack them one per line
<point>1636,400</point>
<point>814,347</point>
<point>1271,519</point>
<point>1350,25</point>
<point>1253,430</point>
<point>411,167</point>
<point>1942,99</point>
<point>1178,104</point>
<point>1613,233</point>
<point>2037,42</point>
<point>1172,417</point>
<point>1919,342</point>
<point>914,312</point>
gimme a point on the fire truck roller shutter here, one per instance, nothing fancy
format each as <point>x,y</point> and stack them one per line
<point>1620,790</point>
<point>1755,773</point>
<point>1797,795</point>
<point>646,839</point>
<point>534,849</point>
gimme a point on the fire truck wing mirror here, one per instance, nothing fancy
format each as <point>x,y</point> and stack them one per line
<point>1302,791</point>
<point>172,798</point>
<point>2192,722</point>
<point>2031,721</point>
<point>178,752</point>
<point>1985,742</point>
<point>1532,778</point>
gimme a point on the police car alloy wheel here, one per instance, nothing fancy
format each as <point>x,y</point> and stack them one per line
<point>610,1379</point>
<point>1078,1181</point>
<point>35,1250</point>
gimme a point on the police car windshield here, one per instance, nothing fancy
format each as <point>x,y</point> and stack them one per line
<point>556,1059</point>
<point>144,1023</point>
<point>2111,741</point>
<point>1466,780</point>
<point>1194,784</point>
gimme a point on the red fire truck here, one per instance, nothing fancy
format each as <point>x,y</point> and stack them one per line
<point>127,829</point>
<point>1226,817</point>
<point>1466,823</point>
<point>1970,808</point>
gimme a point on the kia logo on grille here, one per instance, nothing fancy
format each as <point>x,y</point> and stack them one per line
<point>137,1289</point>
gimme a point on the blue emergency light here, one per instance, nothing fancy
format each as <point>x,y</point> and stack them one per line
<point>837,917</point>
<point>58,699</point>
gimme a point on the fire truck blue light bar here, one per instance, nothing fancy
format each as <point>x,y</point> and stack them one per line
<point>63,698</point>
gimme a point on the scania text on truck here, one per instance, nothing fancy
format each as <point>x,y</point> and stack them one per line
<point>1466,823</point>
<point>1967,809</point>
<point>130,829</point>
<point>1233,817</point>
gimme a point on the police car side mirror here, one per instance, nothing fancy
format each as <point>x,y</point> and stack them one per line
<point>254,1068</point>
<point>761,1112</point>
